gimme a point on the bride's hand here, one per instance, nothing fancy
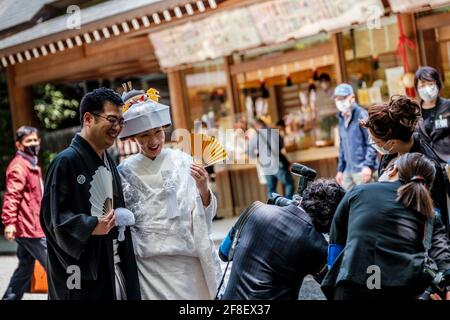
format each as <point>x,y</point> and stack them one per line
<point>201,179</point>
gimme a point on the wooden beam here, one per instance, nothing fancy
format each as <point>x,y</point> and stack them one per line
<point>232,87</point>
<point>429,56</point>
<point>283,58</point>
<point>339,57</point>
<point>126,53</point>
<point>20,102</point>
<point>89,75</point>
<point>433,21</point>
<point>409,28</point>
<point>96,25</point>
<point>76,53</point>
<point>108,74</point>
<point>50,60</point>
<point>118,66</point>
<point>177,100</point>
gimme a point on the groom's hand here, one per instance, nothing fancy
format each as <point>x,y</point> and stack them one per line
<point>105,224</point>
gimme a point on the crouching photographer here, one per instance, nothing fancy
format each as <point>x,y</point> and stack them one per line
<point>278,246</point>
<point>387,240</point>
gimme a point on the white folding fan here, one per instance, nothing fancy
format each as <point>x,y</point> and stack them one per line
<point>101,192</point>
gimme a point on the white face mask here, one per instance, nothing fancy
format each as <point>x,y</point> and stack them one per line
<point>380,150</point>
<point>324,85</point>
<point>343,106</point>
<point>428,93</point>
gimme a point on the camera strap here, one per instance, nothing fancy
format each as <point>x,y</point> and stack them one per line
<point>238,226</point>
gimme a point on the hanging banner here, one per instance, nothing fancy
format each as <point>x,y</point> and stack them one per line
<point>178,45</point>
<point>210,38</point>
<point>278,21</point>
<point>414,5</point>
<point>263,23</point>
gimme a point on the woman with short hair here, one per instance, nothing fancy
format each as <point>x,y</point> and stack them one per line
<point>434,126</point>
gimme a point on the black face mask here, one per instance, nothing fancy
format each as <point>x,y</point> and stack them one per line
<point>32,150</point>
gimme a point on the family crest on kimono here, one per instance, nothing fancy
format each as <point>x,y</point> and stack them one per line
<point>82,197</point>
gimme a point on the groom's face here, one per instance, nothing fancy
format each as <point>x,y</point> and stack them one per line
<point>106,126</point>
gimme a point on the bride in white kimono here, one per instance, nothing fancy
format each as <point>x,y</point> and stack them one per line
<point>173,208</point>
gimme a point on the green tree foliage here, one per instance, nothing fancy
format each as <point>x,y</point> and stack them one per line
<point>7,148</point>
<point>52,108</point>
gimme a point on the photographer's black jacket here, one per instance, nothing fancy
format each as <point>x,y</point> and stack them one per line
<point>438,190</point>
<point>376,230</point>
<point>278,247</point>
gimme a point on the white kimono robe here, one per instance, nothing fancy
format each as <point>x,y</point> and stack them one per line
<point>175,254</point>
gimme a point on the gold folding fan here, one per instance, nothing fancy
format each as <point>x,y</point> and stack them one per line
<point>206,150</point>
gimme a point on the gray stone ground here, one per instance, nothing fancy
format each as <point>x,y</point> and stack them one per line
<point>8,264</point>
<point>310,289</point>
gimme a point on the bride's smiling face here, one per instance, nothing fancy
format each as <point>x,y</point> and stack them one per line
<point>151,142</point>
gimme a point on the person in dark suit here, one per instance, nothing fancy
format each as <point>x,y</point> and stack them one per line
<point>391,128</point>
<point>279,246</point>
<point>382,226</point>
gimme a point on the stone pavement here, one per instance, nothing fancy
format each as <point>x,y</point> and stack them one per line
<point>8,262</point>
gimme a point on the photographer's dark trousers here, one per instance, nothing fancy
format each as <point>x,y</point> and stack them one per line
<point>28,250</point>
<point>285,177</point>
<point>347,290</point>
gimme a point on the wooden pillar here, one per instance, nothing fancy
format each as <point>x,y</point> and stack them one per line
<point>429,56</point>
<point>177,100</point>
<point>232,87</point>
<point>20,102</point>
<point>409,28</point>
<point>339,57</point>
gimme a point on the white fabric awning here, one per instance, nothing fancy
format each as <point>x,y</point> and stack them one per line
<point>415,5</point>
<point>259,24</point>
<point>98,22</point>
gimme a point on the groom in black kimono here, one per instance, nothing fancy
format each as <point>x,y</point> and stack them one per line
<point>85,260</point>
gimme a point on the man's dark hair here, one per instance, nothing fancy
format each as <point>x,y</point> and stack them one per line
<point>94,101</point>
<point>324,77</point>
<point>24,131</point>
<point>428,74</point>
<point>320,200</point>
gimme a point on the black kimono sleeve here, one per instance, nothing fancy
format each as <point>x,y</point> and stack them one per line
<point>70,230</point>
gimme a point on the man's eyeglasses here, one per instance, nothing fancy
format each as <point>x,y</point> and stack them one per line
<point>112,119</point>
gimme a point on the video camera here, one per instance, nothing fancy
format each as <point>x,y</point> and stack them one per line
<point>440,284</point>
<point>306,175</point>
